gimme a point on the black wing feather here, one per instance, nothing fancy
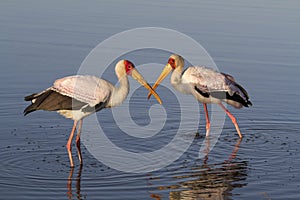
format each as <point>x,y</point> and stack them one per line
<point>52,101</point>
<point>225,95</point>
<point>205,94</point>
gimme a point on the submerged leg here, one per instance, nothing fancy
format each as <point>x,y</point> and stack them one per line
<point>207,119</point>
<point>69,183</point>
<point>78,141</point>
<point>232,119</point>
<point>69,143</point>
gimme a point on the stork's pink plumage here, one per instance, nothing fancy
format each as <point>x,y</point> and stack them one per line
<point>207,86</point>
<point>76,97</point>
<point>79,87</point>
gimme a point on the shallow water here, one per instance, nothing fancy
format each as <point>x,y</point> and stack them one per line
<point>256,42</point>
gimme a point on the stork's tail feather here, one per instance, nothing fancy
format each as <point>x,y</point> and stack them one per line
<point>244,97</point>
<point>249,103</point>
<point>36,100</point>
<point>29,109</point>
<point>31,97</point>
<point>51,101</point>
<point>238,97</point>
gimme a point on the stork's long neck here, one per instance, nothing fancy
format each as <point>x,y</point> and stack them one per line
<point>120,93</point>
<point>176,79</point>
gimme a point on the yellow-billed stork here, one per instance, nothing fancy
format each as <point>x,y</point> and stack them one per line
<point>206,85</point>
<point>78,96</point>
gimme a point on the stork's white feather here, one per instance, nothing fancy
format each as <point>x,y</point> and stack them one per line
<point>205,78</point>
<point>88,89</point>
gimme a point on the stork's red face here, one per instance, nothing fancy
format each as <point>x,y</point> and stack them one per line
<point>128,67</point>
<point>171,61</point>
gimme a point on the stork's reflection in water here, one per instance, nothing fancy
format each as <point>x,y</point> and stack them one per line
<point>208,181</point>
<point>71,194</point>
<point>199,181</point>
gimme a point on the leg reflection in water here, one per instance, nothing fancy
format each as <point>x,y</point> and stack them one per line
<point>208,179</point>
<point>215,180</point>
<point>69,184</point>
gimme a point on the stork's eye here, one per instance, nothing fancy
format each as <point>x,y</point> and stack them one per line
<point>128,65</point>
<point>171,61</point>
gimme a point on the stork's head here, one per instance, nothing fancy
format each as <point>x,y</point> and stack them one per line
<point>125,67</point>
<point>175,62</point>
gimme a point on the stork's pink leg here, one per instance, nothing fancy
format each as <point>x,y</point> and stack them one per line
<point>69,143</point>
<point>232,119</point>
<point>207,119</point>
<point>78,141</point>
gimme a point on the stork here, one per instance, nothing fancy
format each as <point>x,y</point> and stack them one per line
<point>76,97</point>
<point>207,86</point>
